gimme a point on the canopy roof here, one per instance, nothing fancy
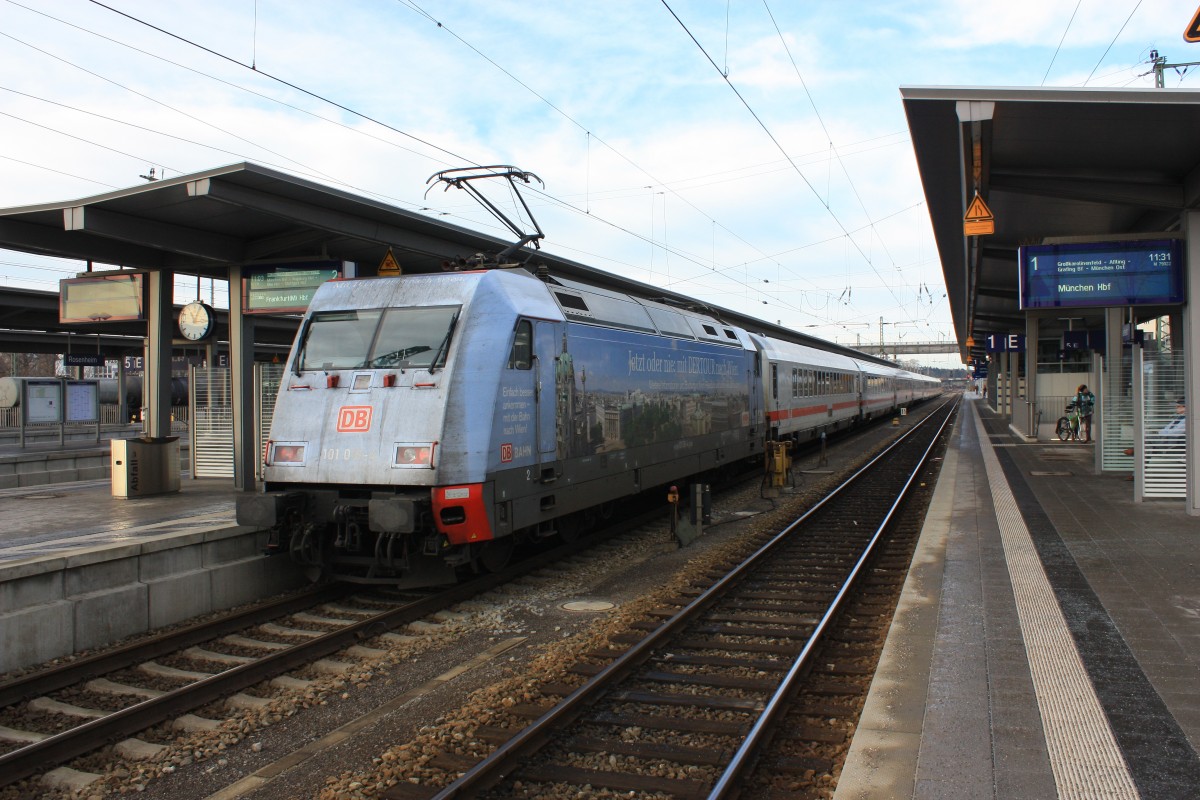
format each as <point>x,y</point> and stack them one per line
<point>1051,164</point>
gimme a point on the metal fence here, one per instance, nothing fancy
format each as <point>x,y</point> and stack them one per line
<point>212,432</point>
<point>1163,446</point>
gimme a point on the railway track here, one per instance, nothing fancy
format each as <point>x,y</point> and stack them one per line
<point>50,716</point>
<point>83,705</point>
<point>696,701</point>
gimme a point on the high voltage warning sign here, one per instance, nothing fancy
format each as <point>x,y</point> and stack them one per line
<point>389,266</point>
<point>978,220</point>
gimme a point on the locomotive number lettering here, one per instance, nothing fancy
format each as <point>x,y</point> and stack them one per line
<point>354,419</point>
<point>333,454</point>
<point>506,452</point>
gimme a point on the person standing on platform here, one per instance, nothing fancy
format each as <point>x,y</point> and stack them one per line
<point>1171,438</point>
<point>1085,404</point>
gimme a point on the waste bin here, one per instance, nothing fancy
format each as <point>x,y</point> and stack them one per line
<point>145,466</point>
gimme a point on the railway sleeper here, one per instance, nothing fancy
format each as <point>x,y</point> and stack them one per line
<point>703,757</point>
<point>494,735</point>
<point>811,707</point>
<point>684,789</point>
<point>798,765</point>
<point>711,702</point>
<point>764,619</point>
<point>717,727</point>
<point>815,733</point>
<point>766,633</point>
<point>784,649</point>
<point>761,664</point>
<point>715,681</point>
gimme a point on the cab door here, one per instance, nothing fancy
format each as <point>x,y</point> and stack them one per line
<point>544,353</point>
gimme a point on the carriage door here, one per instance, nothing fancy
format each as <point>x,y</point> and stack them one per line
<point>755,381</point>
<point>545,352</point>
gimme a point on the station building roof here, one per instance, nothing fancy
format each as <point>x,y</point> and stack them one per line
<point>1051,164</point>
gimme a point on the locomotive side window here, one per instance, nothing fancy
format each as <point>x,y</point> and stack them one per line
<point>774,381</point>
<point>521,356</point>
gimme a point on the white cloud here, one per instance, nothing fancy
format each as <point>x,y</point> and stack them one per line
<point>612,104</point>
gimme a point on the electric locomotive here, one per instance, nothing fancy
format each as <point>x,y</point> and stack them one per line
<point>426,423</point>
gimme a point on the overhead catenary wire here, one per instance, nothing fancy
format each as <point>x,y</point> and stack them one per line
<point>336,104</point>
<point>708,261</point>
<point>774,140</point>
<point>1114,41</point>
<point>1078,3</point>
<point>829,138</point>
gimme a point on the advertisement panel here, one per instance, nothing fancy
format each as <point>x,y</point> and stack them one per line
<point>616,389</point>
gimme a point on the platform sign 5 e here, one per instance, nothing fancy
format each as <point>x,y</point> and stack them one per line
<point>1091,274</point>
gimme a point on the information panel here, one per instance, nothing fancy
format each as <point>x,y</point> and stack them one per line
<point>43,401</point>
<point>1102,274</point>
<point>287,288</point>
<point>113,297</point>
<point>83,401</point>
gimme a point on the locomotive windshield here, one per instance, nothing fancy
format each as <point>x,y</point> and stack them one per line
<point>378,338</point>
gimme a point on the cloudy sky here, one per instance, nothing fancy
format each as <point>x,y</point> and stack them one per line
<point>750,153</point>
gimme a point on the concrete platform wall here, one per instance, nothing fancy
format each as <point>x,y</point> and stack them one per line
<point>22,470</point>
<point>56,606</point>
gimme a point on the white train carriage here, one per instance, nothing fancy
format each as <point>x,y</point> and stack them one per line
<point>918,387</point>
<point>806,390</point>
<point>880,389</point>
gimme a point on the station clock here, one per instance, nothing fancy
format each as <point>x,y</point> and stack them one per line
<point>197,321</point>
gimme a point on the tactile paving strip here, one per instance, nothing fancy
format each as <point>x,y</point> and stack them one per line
<point>1084,756</point>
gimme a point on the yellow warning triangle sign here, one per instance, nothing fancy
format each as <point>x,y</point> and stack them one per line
<point>389,266</point>
<point>1192,34</point>
<point>978,220</point>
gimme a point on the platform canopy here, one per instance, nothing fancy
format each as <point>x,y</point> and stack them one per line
<point>1050,164</point>
<point>246,214</point>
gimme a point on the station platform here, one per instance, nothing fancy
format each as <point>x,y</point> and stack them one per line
<point>1047,644</point>
<point>78,455</point>
<point>80,568</point>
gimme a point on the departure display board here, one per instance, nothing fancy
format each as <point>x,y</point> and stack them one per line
<point>112,297</point>
<point>1093,274</point>
<point>287,288</point>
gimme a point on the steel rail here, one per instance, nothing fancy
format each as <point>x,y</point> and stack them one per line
<point>89,736</point>
<point>745,753</point>
<point>82,669</point>
<point>495,767</point>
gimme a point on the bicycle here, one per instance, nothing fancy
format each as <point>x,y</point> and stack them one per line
<point>1067,427</point>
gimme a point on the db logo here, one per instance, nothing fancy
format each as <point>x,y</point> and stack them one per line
<point>354,418</point>
<point>506,453</point>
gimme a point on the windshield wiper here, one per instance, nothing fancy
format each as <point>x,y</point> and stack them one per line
<point>445,343</point>
<point>302,338</point>
<point>397,356</point>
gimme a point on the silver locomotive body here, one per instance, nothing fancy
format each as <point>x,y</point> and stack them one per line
<point>427,422</point>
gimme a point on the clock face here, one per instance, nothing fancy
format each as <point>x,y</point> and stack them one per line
<point>195,321</point>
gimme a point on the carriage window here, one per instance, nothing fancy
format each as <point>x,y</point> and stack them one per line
<point>774,381</point>
<point>521,356</point>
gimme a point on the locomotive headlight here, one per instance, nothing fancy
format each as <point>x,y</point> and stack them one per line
<point>416,455</point>
<point>286,454</point>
